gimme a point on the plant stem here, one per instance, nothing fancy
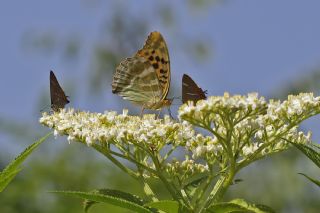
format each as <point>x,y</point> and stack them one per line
<point>115,161</point>
<point>146,188</point>
<point>171,188</point>
<point>221,186</point>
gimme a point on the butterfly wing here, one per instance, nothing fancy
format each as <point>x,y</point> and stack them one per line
<point>191,91</point>
<point>155,51</point>
<point>135,80</point>
<point>58,97</point>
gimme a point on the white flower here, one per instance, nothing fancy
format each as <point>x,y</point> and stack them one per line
<point>234,126</point>
<point>199,151</point>
<point>70,138</point>
<point>125,112</point>
<point>259,134</point>
<point>249,149</point>
<point>55,133</point>
<point>98,127</point>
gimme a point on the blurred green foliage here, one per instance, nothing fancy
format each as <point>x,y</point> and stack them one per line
<point>275,182</point>
<point>303,83</point>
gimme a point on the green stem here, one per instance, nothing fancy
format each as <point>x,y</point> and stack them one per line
<point>170,187</point>
<point>146,188</point>
<point>220,188</point>
<point>204,189</point>
<point>133,161</point>
<point>148,191</point>
<point>198,195</point>
<point>115,161</point>
<point>254,155</point>
<point>169,153</point>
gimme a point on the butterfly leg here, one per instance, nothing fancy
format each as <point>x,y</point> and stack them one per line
<point>141,113</point>
<point>170,114</point>
<point>159,113</point>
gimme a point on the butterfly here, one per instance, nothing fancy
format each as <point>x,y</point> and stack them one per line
<point>144,78</point>
<point>58,97</point>
<point>191,91</point>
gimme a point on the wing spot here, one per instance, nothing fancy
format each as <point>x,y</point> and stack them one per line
<point>157,58</point>
<point>151,58</point>
<point>162,71</point>
<point>155,65</point>
<point>153,52</point>
<point>164,76</point>
<point>163,61</point>
<point>162,81</point>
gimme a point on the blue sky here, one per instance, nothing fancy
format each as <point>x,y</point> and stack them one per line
<point>257,46</point>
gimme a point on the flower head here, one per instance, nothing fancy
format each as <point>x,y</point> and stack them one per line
<point>109,127</point>
<point>244,125</point>
<point>241,128</point>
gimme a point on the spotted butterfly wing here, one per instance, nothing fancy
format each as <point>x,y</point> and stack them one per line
<point>155,51</point>
<point>144,79</point>
<point>58,97</point>
<point>191,91</point>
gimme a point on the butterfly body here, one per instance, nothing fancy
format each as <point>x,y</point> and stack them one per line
<point>191,91</point>
<point>58,97</point>
<point>144,79</point>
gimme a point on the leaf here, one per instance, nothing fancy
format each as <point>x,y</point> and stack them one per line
<point>6,179</point>
<point>167,206</point>
<point>114,193</point>
<point>195,181</point>
<point>227,207</point>
<point>310,151</point>
<point>315,145</point>
<point>317,182</point>
<point>239,205</point>
<point>94,196</point>
<point>7,175</point>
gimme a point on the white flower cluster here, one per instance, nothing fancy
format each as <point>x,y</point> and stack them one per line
<point>109,127</point>
<point>128,134</point>
<point>248,124</point>
<point>204,147</point>
<point>242,127</point>
<point>185,169</point>
<point>215,104</point>
<point>302,105</point>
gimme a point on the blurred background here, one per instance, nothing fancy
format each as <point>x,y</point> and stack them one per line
<point>271,47</point>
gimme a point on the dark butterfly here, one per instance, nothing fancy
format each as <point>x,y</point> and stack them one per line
<point>58,97</point>
<point>191,91</point>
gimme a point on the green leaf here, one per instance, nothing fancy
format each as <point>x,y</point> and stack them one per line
<point>195,181</point>
<point>114,193</point>
<point>7,175</point>
<point>7,178</point>
<point>94,196</point>
<point>226,207</point>
<point>317,182</point>
<point>239,205</point>
<point>167,206</point>
<point>315,145</point>
<point>193,184</point>
<point>310,151</point>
